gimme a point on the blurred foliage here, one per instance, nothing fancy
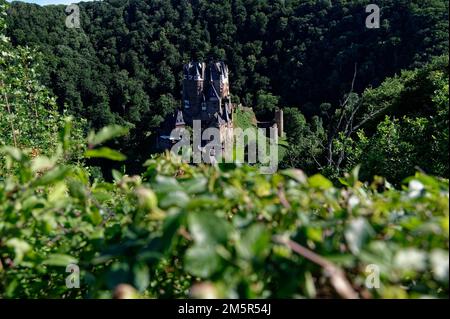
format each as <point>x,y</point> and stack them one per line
<point>180,230</point>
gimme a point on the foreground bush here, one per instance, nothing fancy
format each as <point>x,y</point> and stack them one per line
<point>201,231</point>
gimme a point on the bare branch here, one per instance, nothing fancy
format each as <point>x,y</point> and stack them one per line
<point>10,113</point>
<point>353,85</point>
<point>336,274</point>
<point>368,118</point>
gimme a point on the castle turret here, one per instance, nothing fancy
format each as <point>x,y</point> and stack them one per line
<point>206,90</point>
<point>193,89</point>
<point>206,94</point>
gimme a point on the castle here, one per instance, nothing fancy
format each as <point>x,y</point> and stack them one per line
<point>206,97</point>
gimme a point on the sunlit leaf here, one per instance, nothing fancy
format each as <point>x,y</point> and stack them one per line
<point>105,152</point>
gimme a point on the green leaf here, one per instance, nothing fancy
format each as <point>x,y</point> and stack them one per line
<point>55,175</point>
<point>310,288</point>
<point>105,152</point>
<point>41,163</point>
<point>15,153</point>
<point>343,181</point>
<point>20,247</point>
<point>195,185</point>
<point>357,233</point>
<point>410,259</point>
<point>95,216</point>
<point>60,260</point>
<point>254,243</point>
<point>439,264</point>
<point>319,181</point>
<point>166,184</point>
<point>141,276</point>
<point>65,133</point>
<point>202,261</point>
<point>176,198</point>
<point>116,175</point>
<point>355,174</point>
<point>32,202</point>
<point>207,228</point>
<point>295,174</point>
<point>77,189</point>
<point>106,133</point>
<point>314,233</point>
<point>146,198</point>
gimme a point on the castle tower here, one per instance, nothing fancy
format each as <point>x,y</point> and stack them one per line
<point>206,95</point>
<point>279,120</point>
<point>193,93</point>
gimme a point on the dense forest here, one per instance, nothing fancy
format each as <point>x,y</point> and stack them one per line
<point>123,66</point>
<point>358,209</point>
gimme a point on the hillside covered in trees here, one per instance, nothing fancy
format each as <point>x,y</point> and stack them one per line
<point>359,208</point>
<point>124,67</point>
